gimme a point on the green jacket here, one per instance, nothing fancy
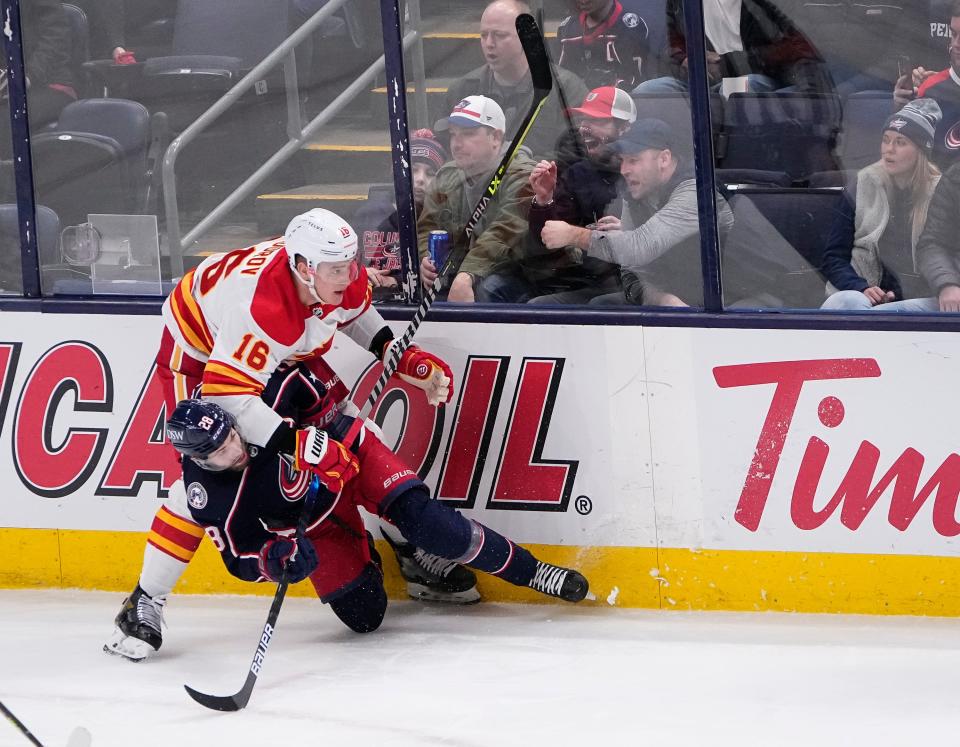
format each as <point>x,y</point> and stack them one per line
<point>501,232</point>
<point>515,101</point>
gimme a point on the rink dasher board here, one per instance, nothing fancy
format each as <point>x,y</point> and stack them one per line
<point>703,468</point>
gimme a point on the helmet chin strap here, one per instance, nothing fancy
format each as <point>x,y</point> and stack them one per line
<point>308,284</point>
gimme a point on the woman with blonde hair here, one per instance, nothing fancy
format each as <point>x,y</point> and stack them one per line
<point>870,259</point>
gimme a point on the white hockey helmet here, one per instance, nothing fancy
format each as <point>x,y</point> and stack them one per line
<point>320,237</point>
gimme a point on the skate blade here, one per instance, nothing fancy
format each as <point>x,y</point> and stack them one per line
<point>425,594</point>
<point>133,649</point>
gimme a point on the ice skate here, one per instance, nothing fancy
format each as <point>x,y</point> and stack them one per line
<point>431,578</point>
<point>563,583</point>
<point>137,633</point>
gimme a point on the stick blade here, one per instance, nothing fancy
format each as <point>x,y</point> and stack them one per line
<point>535,51</point>
<point>226,703</point>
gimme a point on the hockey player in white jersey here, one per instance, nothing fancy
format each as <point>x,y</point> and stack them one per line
<point>229,324</point>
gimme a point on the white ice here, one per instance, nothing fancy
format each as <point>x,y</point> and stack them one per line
<point>483,675</point>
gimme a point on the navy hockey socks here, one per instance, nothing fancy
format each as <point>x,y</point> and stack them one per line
<point>444,531</point>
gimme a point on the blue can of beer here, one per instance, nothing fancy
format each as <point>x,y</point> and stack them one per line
<point>438,247</point>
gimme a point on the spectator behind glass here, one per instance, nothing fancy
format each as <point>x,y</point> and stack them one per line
<point>944,88</point>
<point>656,241</point>
<point>476,127</point>
<point>870,259</point>
<point>107,20</point>
<point>581,191</point>
<point>46,52</point>
<point>378,224</point>
<point>938,250</point>
<point>748,41</point>
<point>505,78</point>
<point>612,43</point>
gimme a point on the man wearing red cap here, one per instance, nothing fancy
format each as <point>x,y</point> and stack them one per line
<point>580,191</point>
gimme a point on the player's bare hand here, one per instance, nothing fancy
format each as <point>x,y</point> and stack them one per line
<point>950,298</point>
<point>428,271</point>
<point>461,289</point>
<point>543,179</point>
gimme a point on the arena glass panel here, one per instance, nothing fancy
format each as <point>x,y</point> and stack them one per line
<point>142,188</point>
<point>11,272</point>
<point>599,205</point>
<point>832,131</point>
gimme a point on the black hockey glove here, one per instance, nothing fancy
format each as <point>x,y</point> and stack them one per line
<point>296,555</point>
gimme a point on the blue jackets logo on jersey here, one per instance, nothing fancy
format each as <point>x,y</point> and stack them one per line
<point>196,495</point>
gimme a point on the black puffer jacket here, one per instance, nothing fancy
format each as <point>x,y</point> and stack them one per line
<point>938,250</point>
<point>46,43</point>
<point>772,46</point>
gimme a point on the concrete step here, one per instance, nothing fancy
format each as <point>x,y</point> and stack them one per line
<point>274,210</point>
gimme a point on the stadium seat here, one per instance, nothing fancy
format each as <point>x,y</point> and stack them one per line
<point>730,179</point>
<point>789,132</point>
<point>79,37</point>
<point>56,275</point>
<point>776,244</point>
<point>864,113</point>
<point>674,109</point>
<point>96,160</point>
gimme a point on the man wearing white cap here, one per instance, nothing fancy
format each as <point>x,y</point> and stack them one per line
<point>476,125</point>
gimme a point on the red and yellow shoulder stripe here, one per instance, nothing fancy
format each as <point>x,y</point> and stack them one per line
<point>221,379</point>
<point>189,317</point>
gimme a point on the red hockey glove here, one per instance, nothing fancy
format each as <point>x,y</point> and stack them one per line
<point>327,458</point>
<point>297,556</point>
<point>426,371</point>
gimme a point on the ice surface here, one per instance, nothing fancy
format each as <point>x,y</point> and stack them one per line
<point>482,675</point>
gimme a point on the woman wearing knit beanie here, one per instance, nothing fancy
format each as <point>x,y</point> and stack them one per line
<point>871,259</point>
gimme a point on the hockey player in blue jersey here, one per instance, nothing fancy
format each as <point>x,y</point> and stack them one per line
<point>249,505</point>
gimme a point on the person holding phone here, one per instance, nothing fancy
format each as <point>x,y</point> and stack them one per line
<point>944,88</point>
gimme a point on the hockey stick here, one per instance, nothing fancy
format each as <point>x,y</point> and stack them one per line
<point>539,63</point>
<point>79,737</point>
<point>240,699</point>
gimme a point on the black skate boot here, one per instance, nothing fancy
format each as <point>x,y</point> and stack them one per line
<point>563,583</point>
<point>137,634</point>
<point>431,578</point>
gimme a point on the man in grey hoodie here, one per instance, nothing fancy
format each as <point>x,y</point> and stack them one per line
<point>656,239</point>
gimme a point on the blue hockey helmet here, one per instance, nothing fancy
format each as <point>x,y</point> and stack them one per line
<point>198,428</point>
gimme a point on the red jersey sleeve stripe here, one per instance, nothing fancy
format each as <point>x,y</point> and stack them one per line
<point>189,317</point>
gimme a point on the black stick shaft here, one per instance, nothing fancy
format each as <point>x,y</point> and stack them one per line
<point>19,724</point>
<point>242,697</point>
<point>535,51</point>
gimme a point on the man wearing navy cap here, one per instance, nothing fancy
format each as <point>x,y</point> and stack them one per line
<point>656,241</point>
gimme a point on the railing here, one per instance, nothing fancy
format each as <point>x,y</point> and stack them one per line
<point>298,134</point>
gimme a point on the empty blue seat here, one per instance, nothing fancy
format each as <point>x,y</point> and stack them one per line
<point>791,132</point>
<point>95,160</point>
<point>864,113</point>
<point>776,244</point>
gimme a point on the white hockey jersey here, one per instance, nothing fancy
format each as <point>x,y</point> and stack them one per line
<point>240,313</point>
